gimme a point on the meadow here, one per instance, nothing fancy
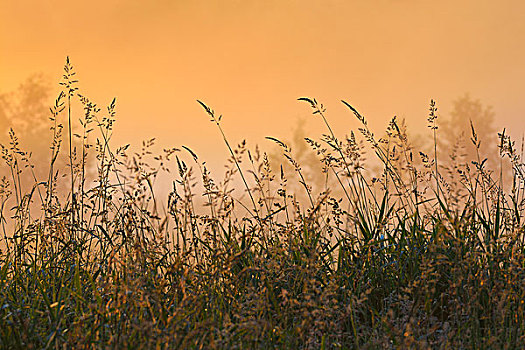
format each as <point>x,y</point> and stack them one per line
<point>425,252</point>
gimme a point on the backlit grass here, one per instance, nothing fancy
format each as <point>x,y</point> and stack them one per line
<point>424,253</point>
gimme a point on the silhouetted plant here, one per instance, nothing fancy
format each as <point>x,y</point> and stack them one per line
<point>388,260</point>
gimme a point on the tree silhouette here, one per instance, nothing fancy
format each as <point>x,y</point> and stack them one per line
<point>470,123</point>
<point>468,141</point>
<point>26,111</point>
<point>25,126</point>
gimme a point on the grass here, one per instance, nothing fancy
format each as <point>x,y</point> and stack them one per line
<point>423,254</point>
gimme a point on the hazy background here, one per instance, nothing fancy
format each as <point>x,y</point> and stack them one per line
<point>251,60</point>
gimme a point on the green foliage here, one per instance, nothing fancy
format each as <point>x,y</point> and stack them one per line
<point>403,259</point>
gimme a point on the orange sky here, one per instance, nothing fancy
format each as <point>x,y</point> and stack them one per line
<point>251,60</point>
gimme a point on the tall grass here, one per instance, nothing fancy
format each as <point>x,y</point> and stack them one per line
<point>420,255</point>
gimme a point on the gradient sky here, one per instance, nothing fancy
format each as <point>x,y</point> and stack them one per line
<point>251,60</point>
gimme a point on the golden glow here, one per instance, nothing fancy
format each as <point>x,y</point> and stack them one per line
<point>250,60</point>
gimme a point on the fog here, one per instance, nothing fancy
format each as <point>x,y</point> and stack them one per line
<point>251,60</point>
